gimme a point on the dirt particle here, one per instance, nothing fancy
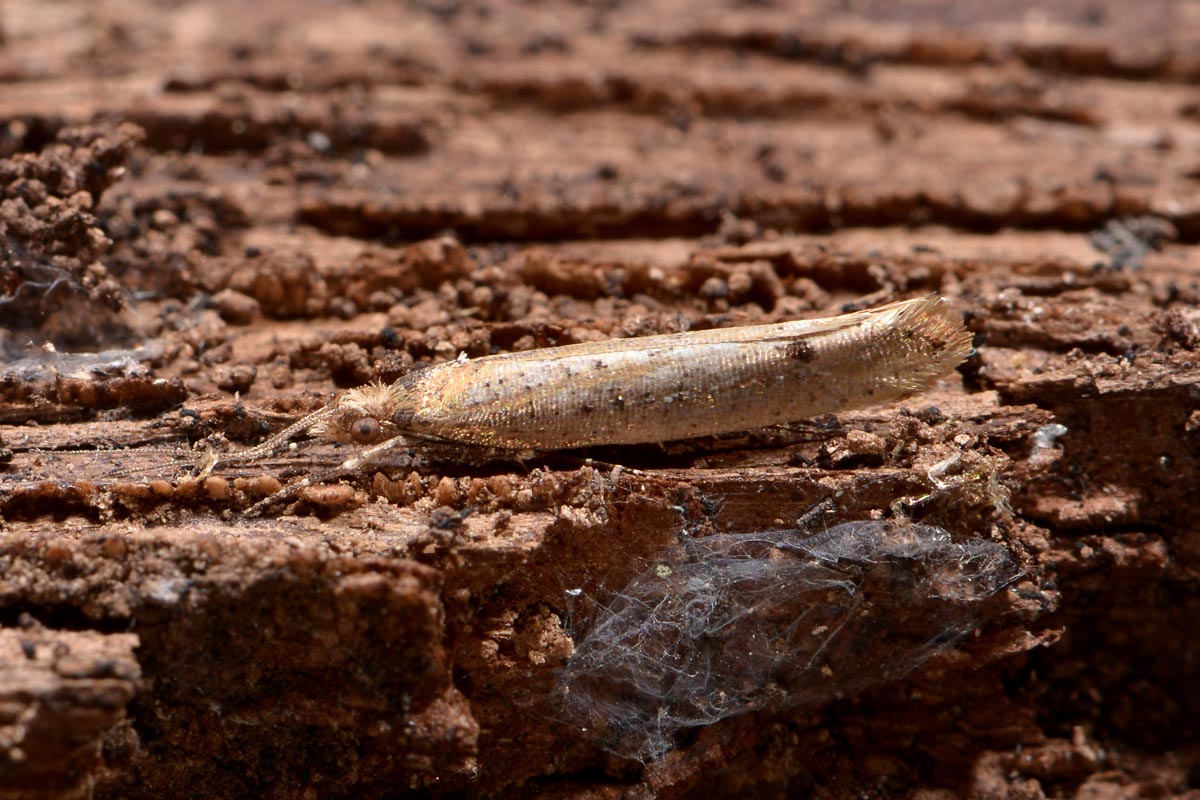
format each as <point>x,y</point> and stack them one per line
<point>864,443</point>
<point>141,393</point>
<point>446,493</point>
<point>423,316</point>
<point>432,262</point>
<point>260,486</point>
<point>280,374</point>
<point>395,492</point>
<point>739,285</point>
<point>714,288</point>
<point>502,486</point>
<point>114,547</point>
<point>380,300</point>
<point>236,308</point>
<point>342,308</point>
<point>856,448</point>
<point>56,553</point>
<point>1179,325</point>
<point>349,364</point>
<point>78,391</point>
<point>235,378</point>
<point>217,354</point>
<point>285,285</point>
<point>334,496</point>
<point>217,488</point>
<point>130,490</point>
<point>541,639</point>
<point>523,500</point>
<point>477,491</point>
<point>51,242</point>
<point>416,486</point>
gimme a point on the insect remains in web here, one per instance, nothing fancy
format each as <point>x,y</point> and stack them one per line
<point>633,391</point>
<point>730,624</point>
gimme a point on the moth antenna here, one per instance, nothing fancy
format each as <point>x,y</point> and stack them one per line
<point>272,444</point>
<point>78,451</point>
<point>178,457</point>
<point>179,462</point>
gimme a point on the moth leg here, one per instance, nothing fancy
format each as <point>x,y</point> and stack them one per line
<point>616,469</point>
<point>353,464</point>
<point>207,462</point>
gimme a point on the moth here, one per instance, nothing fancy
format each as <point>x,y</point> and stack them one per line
<point>647,389</point>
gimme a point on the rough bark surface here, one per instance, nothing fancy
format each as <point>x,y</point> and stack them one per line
<point>215,215</point>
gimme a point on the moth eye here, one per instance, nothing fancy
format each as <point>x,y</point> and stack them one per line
<point>365,430</point>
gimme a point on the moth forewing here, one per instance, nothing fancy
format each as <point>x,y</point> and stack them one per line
<point>650,389</point>
<point>676,386</point>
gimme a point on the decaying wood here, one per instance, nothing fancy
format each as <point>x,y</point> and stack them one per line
<point>63,705</point>
<point>314,198</point>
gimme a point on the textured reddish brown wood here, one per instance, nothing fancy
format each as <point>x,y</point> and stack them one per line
<point>218,214</point>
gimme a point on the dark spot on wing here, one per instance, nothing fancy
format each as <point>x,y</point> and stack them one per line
<point>801,351</point>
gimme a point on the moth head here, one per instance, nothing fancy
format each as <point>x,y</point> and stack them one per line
<point>363,416</point>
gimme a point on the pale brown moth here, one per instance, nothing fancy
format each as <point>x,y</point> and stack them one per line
<point>642,390</point>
